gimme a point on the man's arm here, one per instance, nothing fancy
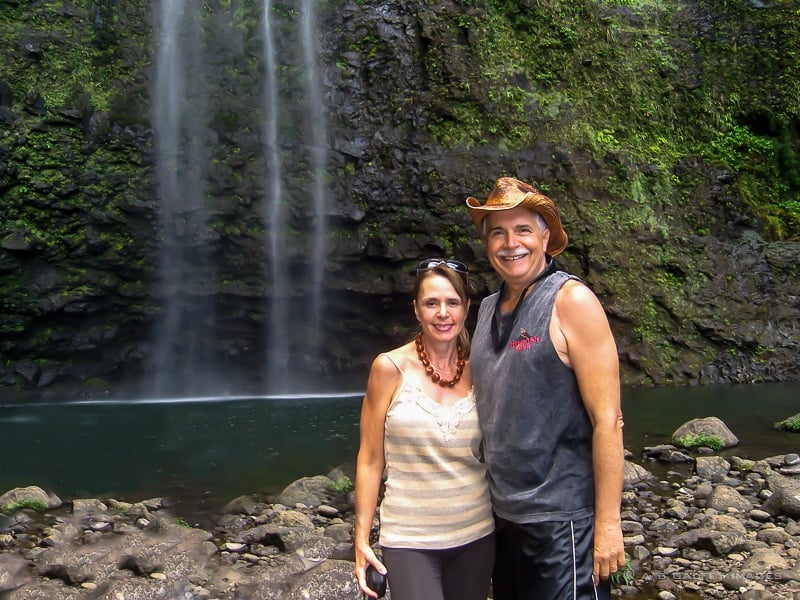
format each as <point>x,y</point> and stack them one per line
<point>589,348</point>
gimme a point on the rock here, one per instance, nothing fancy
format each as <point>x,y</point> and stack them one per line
<point>301,550</point>
<point>327,511</point>
<point>773,536</point>
<point>88,506</point>
<point>708,426</point>
<point>13,572</point>
<point>724,523</point>
<point>311,491</point>
<point>734,581</point>
<point>711,468</point>
<point>635,474</point>
<point>785,498</point>
<point>293,518</point>
<point>31,495</point>
<point>763,560</point>
<point>724,497</point>
<point>245,505</point>
<point>666,453</point>
<point>781,425</point>
<point>759,515</point>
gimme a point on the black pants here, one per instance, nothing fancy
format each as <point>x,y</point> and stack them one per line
<point>461,573</point>
<point>546,561</point>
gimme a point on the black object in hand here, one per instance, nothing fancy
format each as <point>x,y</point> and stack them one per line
<point>376,581</point>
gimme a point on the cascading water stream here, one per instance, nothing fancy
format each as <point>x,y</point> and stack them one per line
<point>204,53</point>
<point>275,218</point>
<point>180,109</point>
<point>319,156</point>
<point>286,312</point>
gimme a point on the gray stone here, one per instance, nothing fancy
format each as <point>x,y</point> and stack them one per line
<point>711,467</point>
<point>724,497</point>
<point>31,494</point>
<point>311,491</point>
<point>785,498</point>
<point>709,426</point>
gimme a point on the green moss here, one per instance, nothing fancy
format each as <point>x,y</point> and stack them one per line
<point>182,522</point>
<point>36,505</point>
<point>615,82</point>
<point>343,485</point>
<point>792,424</point>
<point>697,440</point>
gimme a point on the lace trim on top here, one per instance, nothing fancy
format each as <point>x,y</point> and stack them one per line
<point>447,416</point>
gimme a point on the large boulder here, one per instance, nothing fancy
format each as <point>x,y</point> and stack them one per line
<point>31,495</point>
<point>707,426</point>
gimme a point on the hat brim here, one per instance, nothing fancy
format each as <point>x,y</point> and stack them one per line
<point>538,203</point>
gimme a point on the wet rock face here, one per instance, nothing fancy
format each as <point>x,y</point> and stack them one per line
<point>79,256</point>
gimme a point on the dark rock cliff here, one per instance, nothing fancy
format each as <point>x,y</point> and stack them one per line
<point>699,280</point>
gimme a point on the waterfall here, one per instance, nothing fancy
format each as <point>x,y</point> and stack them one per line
<point>278,325</point>
<point>319,156</point>
<point>204,53</point>
<point>293,309</point>
<point>181,141</point>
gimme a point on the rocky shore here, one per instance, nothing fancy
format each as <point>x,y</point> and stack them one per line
<point>712,527</point>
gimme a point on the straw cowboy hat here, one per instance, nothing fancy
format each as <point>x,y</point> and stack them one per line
<point>511,193</point>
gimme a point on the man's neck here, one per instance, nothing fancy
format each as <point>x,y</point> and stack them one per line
<point>515,289</point>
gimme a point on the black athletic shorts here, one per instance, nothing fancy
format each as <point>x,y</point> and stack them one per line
<point>551,560</point>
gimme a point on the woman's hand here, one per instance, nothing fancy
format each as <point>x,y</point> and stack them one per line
<point>366,556</point>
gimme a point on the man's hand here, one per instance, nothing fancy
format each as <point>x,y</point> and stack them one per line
<point>609,550</point>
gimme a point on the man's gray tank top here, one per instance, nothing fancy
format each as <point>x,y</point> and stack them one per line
<point>537,435</point>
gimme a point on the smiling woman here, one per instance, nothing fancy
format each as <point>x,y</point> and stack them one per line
<point>419,428</point>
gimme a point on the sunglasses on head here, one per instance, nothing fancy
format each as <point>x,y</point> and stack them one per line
<point>430,263</point>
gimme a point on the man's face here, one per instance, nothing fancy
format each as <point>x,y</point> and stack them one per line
<point>515,245</point>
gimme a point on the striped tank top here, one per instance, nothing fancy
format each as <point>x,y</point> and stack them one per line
<point>436,491</point>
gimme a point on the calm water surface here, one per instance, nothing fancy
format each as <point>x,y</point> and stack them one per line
<point>205,451</point>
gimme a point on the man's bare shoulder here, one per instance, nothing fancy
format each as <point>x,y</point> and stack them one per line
<point>576,295</point>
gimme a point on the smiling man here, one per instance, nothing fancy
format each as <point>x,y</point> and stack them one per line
<point>546,376</point>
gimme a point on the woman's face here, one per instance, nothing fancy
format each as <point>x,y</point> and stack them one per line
<point>439,309</point>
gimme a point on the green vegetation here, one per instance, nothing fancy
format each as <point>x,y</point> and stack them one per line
<point>700,440</point>
<point>58,64</point>
<point>792,424</point>
<point>625,576</point>
<point>628,84</point>
<point>343,485</point>
<point>36,505</point>
<point>183,522</point>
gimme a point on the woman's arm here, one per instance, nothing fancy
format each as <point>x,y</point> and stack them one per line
<point>383,380</point>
